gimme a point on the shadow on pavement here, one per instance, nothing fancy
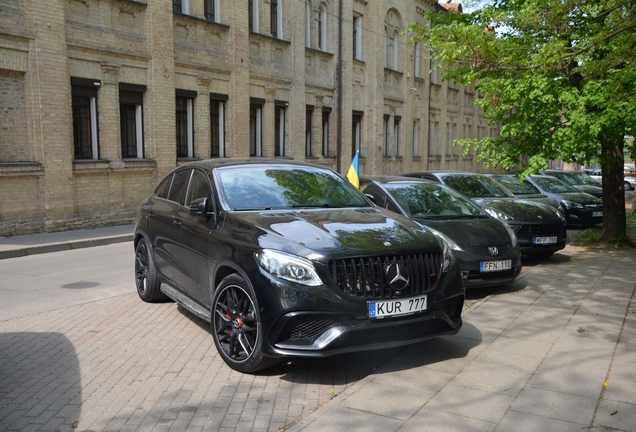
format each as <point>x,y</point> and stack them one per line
<point>45,394</point>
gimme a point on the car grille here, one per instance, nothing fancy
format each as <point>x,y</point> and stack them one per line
<point>306,328</point>
<point>534,230</point>
<point>483,249</point>
<point>594,206</point>
<point>364,277</point>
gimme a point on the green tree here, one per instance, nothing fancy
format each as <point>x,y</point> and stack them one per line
<point>558,75</point>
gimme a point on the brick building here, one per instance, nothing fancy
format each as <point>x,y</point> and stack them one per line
<point>101,98</point>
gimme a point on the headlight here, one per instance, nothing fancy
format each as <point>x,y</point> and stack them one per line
<point>289,267</point>
<point>511,233</point>
<point>446,249</point>
<point>451,243</point>
<point>572,205</point>
<point>498,214</point>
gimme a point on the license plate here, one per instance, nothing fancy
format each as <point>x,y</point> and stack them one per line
<point>597,214</point>
<point>492,266</point>
<point>544,240</point>
<point>391,308</point>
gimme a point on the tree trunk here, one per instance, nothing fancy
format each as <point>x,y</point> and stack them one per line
<point>614,223</point>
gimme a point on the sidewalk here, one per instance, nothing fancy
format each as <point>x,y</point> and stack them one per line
<point>555,352</point>
<point>22,245</point>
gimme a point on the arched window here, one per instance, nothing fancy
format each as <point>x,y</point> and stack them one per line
<point>392,26</point>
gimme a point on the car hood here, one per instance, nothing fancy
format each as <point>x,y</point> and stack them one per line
<point>521,210</point>
<point>474,232</point>
<point>325,234</point>
<point>589,189</point>
<point>541,198</point>
<point>580,197</point>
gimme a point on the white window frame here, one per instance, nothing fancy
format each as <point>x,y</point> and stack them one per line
<point>255,17</point>
<point>357,43</point>
<point>416,137</point>
<point>323,27</point>
<point>396,39</point>
<point>385,136</point>
<point>258,138</point>
<point>94,143</point>
<point>325,132</point>
<point>185,7</point>
<point>416,67</point>
<point>307,24</point>
<point>281,130</point>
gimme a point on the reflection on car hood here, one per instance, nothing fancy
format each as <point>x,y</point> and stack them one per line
<point>520,210</point>
<point>335,232</point>
<point>589,188</point>
<point>581,197</point>
<point>481,231</point>
<point>541,198</point>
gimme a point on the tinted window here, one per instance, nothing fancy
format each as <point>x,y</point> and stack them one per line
<point>429,201</point>
<point>515,186</point>
<point>263,187</point>
<point>378,196</point>
<point>163,189</point>
<point>477,186</point>
<point>179,184</point>
<point>552,184</point>
<point>199,187</point>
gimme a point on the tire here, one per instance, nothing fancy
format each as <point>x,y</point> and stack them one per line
<point>627,186</point>
<point>236,326</point>
<point>146,274</point>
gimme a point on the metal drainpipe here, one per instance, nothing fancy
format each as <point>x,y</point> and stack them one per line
<point>339,89</point>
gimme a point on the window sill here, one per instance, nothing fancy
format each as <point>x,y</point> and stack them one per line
<point>131,163</point>
<point>91,165</point>
<point>272,38</point>
<point>21,168</point>
<point>319,51</point>
<point>135,2</point>
<point>201,20</point>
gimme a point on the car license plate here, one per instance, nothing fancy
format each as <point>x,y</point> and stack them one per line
<point>544,240</point>
<point>391,308</point>
<point>597,214</point>
<point>491,266</point>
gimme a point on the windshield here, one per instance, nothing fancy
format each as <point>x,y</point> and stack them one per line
<point>513,184</point>
<point>477,186</point>
<point>432,201</point>
<point>574,178</point>
<point>264,187</point>
<point>553,185</point>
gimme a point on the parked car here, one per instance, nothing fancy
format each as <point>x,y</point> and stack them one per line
<point>580,208</point>
<point>486,248</point>
<point>629,183</point>
<point>525,190</point>
<point>290,259</point>
<point>578,179</point>
<point>540,228</point>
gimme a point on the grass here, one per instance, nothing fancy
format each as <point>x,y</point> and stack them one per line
<point>592,236</point>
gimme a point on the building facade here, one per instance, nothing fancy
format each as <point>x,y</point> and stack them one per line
<point>102,98</point>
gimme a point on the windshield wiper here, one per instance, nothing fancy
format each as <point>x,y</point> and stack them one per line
<point>251,208</point>
<point>325,205</point>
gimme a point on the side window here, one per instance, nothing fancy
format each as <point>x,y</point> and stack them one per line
<point>179,184</point>
<point>199,187</point>
<point>378,196</point>
<point>163,189</point>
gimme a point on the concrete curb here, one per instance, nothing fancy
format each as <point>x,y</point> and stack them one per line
<point>65,245</point>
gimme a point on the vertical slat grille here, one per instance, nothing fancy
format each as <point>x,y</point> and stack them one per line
<point>365,277</point>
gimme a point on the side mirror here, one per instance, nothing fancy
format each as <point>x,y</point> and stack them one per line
<point>200,207</point>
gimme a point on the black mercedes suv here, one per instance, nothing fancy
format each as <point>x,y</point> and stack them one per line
<point>289,259</point>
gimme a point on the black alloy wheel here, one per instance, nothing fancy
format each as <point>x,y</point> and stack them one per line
<point>236,328</point>
<point>146,275</point>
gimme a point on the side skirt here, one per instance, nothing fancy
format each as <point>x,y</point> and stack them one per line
<point>186,302</point>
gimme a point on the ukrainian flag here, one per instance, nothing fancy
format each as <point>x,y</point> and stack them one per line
<point>354,172</point>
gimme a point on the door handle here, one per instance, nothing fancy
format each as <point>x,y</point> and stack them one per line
<point>177,223</point>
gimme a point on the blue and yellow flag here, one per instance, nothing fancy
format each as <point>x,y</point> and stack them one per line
<point>354,172</point>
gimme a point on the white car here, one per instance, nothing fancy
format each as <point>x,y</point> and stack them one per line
<point>629,182</point>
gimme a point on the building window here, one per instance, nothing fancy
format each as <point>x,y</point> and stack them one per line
<point>256,127</point>
<point>322,28</point>
<point>217,125</point>
<point>131,120</point>
<point>325,131</point>
<point>385,135</point>
<point>434,72</point>
<point>84,110</point>
<point>357,38</point>
<point>396,136</point>
<point>276,18</point>
<point>308,125</point>
<point>391,43</point>
<point>396,42</point>
<point>416,68</point>
<point>181,6</point>
<point>184,125</point>
<point>253,15</point>
<point>307,24</point>
<point>416,138</point>
<point>451,131</point>
<point>434,139</point>
<point>212,11</point>
<point>279,128</point>
<point>356,132</point>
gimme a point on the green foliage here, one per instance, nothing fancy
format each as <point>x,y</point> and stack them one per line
<point>558,75</point>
